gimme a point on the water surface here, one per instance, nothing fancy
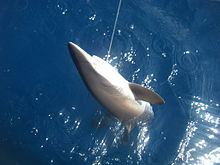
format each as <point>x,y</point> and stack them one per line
<point>47,113</point>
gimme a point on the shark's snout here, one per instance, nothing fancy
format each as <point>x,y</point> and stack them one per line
<point>73,49</point>
<point>79,56</point>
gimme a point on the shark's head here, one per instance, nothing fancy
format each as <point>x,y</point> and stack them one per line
<point>78,55</point>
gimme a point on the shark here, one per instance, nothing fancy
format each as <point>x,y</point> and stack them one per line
<point>128,102</point>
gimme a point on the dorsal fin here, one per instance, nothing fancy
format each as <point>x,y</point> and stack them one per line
<point>145,94</point>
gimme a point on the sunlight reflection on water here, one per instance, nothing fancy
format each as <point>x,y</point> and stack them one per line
<point>143,138</point>
<point>199,146</point>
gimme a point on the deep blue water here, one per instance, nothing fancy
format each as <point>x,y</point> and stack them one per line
<point>171,46</point>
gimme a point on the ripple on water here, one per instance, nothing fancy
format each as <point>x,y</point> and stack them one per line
<point>164,50</point>
<point>61,7</point>
<point>48,25</point>
<point>163,46</point>
<point>188,61</point>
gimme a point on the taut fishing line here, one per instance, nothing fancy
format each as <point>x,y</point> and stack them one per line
<point>113,32</point>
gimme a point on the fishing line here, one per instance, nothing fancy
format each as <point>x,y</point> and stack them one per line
<point>113,32</point>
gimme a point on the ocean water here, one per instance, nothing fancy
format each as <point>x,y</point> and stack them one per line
<point>46,112</point>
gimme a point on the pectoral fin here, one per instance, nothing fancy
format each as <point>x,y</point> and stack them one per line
<point>143,93</point>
